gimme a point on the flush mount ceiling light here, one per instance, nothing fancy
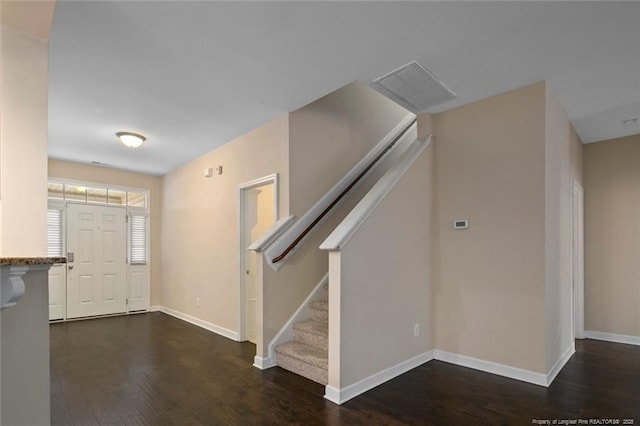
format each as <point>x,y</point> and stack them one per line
<point>130,139</point>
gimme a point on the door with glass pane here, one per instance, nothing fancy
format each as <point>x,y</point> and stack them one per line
<point>96,261</point>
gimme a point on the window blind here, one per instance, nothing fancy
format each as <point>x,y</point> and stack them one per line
<point>54,233</point>
<point>137,239</point>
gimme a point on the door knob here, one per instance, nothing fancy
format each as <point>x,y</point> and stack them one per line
<point>70,266</point>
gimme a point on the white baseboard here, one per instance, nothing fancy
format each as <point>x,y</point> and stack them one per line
<point>523,375</point>
<point>340,396</point>
<point>491,367</point>
<point>551,375</point>
<point>263,363</point>
<point>611,337</point>
<point>196,321</point>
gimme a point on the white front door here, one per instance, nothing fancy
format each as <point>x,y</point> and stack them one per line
<point>96,264</point>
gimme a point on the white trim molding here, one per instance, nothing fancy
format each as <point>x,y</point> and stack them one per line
<point>508,371</point>
<point>551,375</point>
<point>612,337</point>
<point>196,321</point>
<point>263,363</point>
<point>528,376</point>
<point>266,180</point>
<point>340,396</point>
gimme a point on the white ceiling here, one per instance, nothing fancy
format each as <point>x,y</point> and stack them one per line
<point>193,75</point>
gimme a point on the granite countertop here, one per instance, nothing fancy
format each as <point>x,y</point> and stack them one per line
<point>29,261</point>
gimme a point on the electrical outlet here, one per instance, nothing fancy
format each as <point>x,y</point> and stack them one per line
<point>416,330</point>
<point>197,301</point>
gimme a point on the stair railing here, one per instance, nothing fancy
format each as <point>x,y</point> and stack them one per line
<point>408,124</point>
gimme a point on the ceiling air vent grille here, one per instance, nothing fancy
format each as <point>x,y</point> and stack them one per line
<point>414,87</point>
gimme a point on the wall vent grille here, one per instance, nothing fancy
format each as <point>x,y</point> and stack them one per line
<point>414,87</point>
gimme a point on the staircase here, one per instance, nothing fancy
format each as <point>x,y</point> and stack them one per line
<point>307,353</point>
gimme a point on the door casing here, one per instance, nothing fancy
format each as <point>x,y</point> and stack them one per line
<point>243,190</point>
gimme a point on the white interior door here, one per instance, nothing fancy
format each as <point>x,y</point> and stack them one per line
<point>96,263</point>
<point>57,291</point>
<point>259,215</point>
<point>578,260</point>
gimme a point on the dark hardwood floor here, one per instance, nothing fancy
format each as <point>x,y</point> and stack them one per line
<point>152,369</point>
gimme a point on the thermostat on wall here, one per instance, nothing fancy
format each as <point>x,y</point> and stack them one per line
<point>460,224</point>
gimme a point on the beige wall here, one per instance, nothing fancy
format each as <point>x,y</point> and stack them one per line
<point>563,165</point>
<point>107,176</point>
<point>23,144</point>
<point>330,135</point>
<point>382,284</point>
<point>612,236</point>
<point>200,230</point>
<point>489,280</point>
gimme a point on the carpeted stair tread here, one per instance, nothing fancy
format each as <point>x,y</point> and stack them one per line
<point>312,333</point>
<point>307,354</point>
<point>320,305</point>
<point>319,311</point>
<point>301,368</point>
<point>312,326</point>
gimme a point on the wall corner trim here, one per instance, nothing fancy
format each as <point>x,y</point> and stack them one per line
<point>528,376</point>
<point>612,337</point>
<point>263,363</point>
<point>340,396</point>
<point>230,334</point>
